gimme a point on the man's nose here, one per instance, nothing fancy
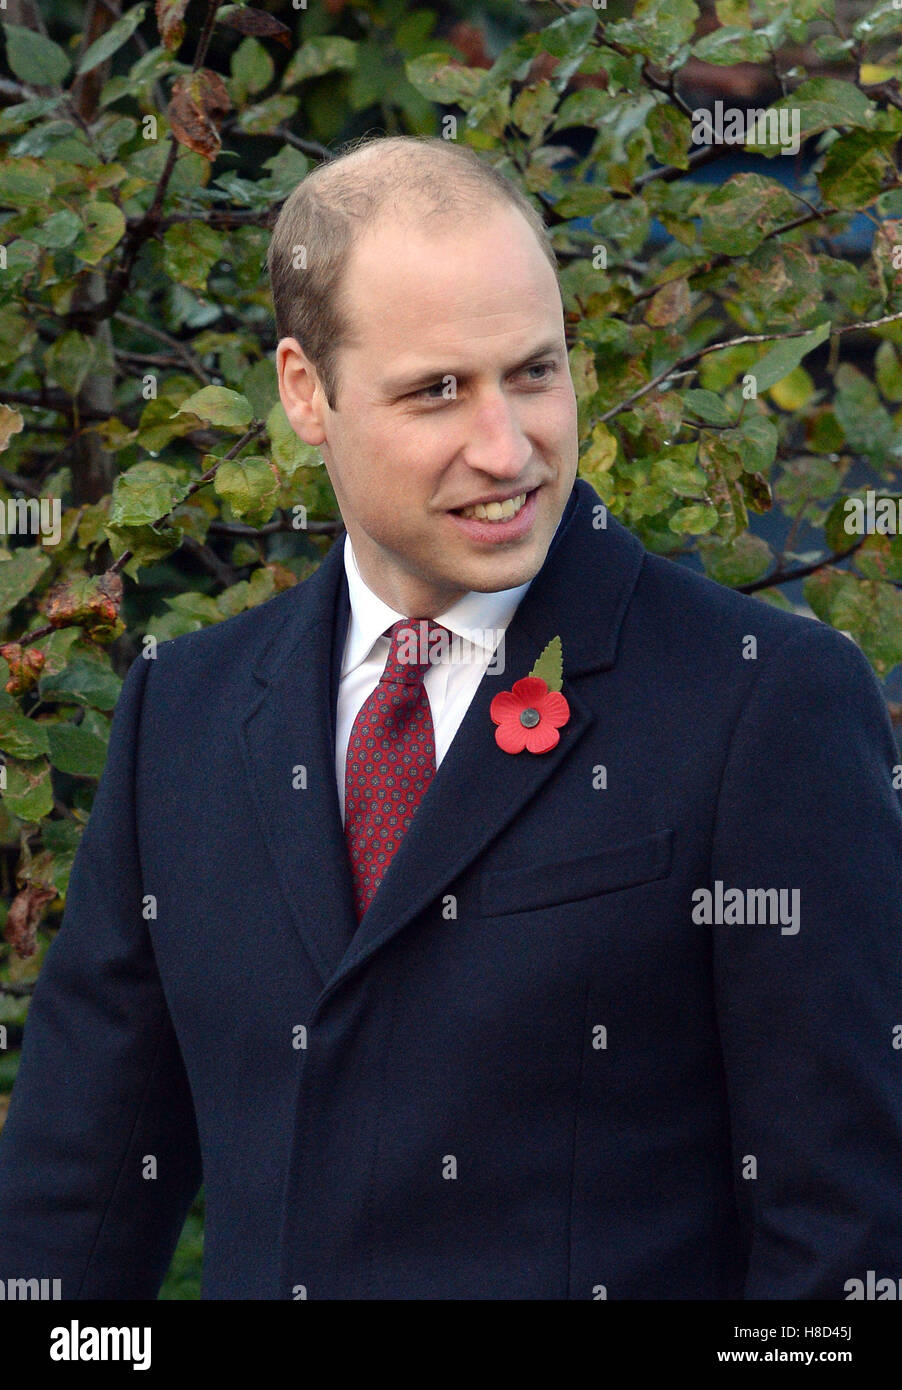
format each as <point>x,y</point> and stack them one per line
<point>496,441</point>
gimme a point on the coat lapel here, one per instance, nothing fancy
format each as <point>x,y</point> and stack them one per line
<point>291,724</point>
<point>581,593</point>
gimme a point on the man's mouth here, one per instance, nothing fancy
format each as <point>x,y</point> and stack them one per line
<point>495,511</point>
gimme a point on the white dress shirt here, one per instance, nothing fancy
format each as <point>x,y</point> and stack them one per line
<point>476,619</point>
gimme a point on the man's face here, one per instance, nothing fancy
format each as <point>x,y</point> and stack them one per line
<point>457,389</point>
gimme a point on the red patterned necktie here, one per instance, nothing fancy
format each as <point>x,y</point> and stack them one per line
<point>391,757</point>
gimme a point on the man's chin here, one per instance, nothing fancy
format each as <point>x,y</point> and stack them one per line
<point>486,574</point>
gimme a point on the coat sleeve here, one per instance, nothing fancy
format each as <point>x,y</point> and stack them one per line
<point>101,1102</point>
<point>807,1016</point>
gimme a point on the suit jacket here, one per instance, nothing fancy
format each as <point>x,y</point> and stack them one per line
<point>530,1071</point>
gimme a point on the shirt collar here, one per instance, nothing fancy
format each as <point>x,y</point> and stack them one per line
<point>476,617</point>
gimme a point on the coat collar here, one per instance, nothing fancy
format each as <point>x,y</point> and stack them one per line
<point>478,618</point>
<point>288,736</point>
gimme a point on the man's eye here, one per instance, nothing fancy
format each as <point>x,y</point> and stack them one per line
<point>546,367</point>
<point>437,391</point>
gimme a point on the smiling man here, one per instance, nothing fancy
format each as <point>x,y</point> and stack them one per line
<point>455,391</point>
<point>452,978</point>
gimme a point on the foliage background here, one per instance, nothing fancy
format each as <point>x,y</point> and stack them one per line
<point>145,150</point>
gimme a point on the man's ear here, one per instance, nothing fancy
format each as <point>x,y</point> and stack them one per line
<point>300,391</point>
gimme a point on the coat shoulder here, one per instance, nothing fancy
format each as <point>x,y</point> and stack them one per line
<point>231,649</point>
<point>686,608</point>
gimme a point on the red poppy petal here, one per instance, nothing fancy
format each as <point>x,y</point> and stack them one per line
<point>542,738</point>
<point>505,705</point>
<point>511,737</point>
<point>554,708</point>
<point>530,689</point>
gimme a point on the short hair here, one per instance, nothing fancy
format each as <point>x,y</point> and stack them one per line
<point>425,176</point>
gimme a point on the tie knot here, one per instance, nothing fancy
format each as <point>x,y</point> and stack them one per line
<point>415,645</point>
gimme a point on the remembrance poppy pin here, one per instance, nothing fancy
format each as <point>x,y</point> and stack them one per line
<point>530,714</point>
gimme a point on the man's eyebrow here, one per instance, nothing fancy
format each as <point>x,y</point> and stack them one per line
<point>399,386</point>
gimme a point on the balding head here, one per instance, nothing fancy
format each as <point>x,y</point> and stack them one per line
<point>406,178</point>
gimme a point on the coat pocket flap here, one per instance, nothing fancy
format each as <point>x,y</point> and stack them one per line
<point>603,871</point>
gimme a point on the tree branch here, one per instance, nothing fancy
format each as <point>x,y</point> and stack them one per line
<point>255,429</point>
<point>733,342</point>
<point>46,399</point>
<point>780,576</point>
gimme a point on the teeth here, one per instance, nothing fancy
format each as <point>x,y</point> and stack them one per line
<point>496,511</point>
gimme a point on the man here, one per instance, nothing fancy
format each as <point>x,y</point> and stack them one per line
<point>450,987</point>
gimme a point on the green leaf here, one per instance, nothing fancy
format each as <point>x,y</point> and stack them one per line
<point>870,611</point>
<point>69,360</point>
<point>138,84</point>
<point>83,682</point>
<point>147,544</point>
<point>757,438</point>
<point>110,137</point>
<point>21,113</point>
<point>193,605</point>
<point>288,451</point>
<point>29,789</point>
<point>58,230</point>
<point>104,228</point>
<point>600,454</point>
<point>780,360</point>
<point>260,384</point>
<point>733,12</point>
<point>570,36</point>
<point>888,372</point>
<point>680,473</point>
<point>159,426</point>
<point>435,77</point>
<point>839,525</point>
<point>532,108</point>
<point>61,839</point>
<point>671,135</point>
<point>568,39</point>
<point>738,216</point>
<point>75,750</point>
<point>855,165</point>
<point>720,453</point>
<point>732,44</point>
<point>267,115</point>
<point>252,69</point>
<point>219,406</point>
<point>826,102</point>
<point>34,58</point>
<point>779,287</point>
<point>880,557</point>
<point>708,407</point>
<point>251,487</point>
<point>739,561</point>
<point>20,574</point>
<point>108,43</point>
<point>286,170</point>
<point>326,53</point>
<point>145,493</point>
<point>190,250</point>
<point>693,520</point>
<point>880,21</point>
<point>21,737</point>
<point>24,182</point>
<point>865,421</point>
<point>831,47</point>
<point>658,28</point>
<point>549,666</point>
